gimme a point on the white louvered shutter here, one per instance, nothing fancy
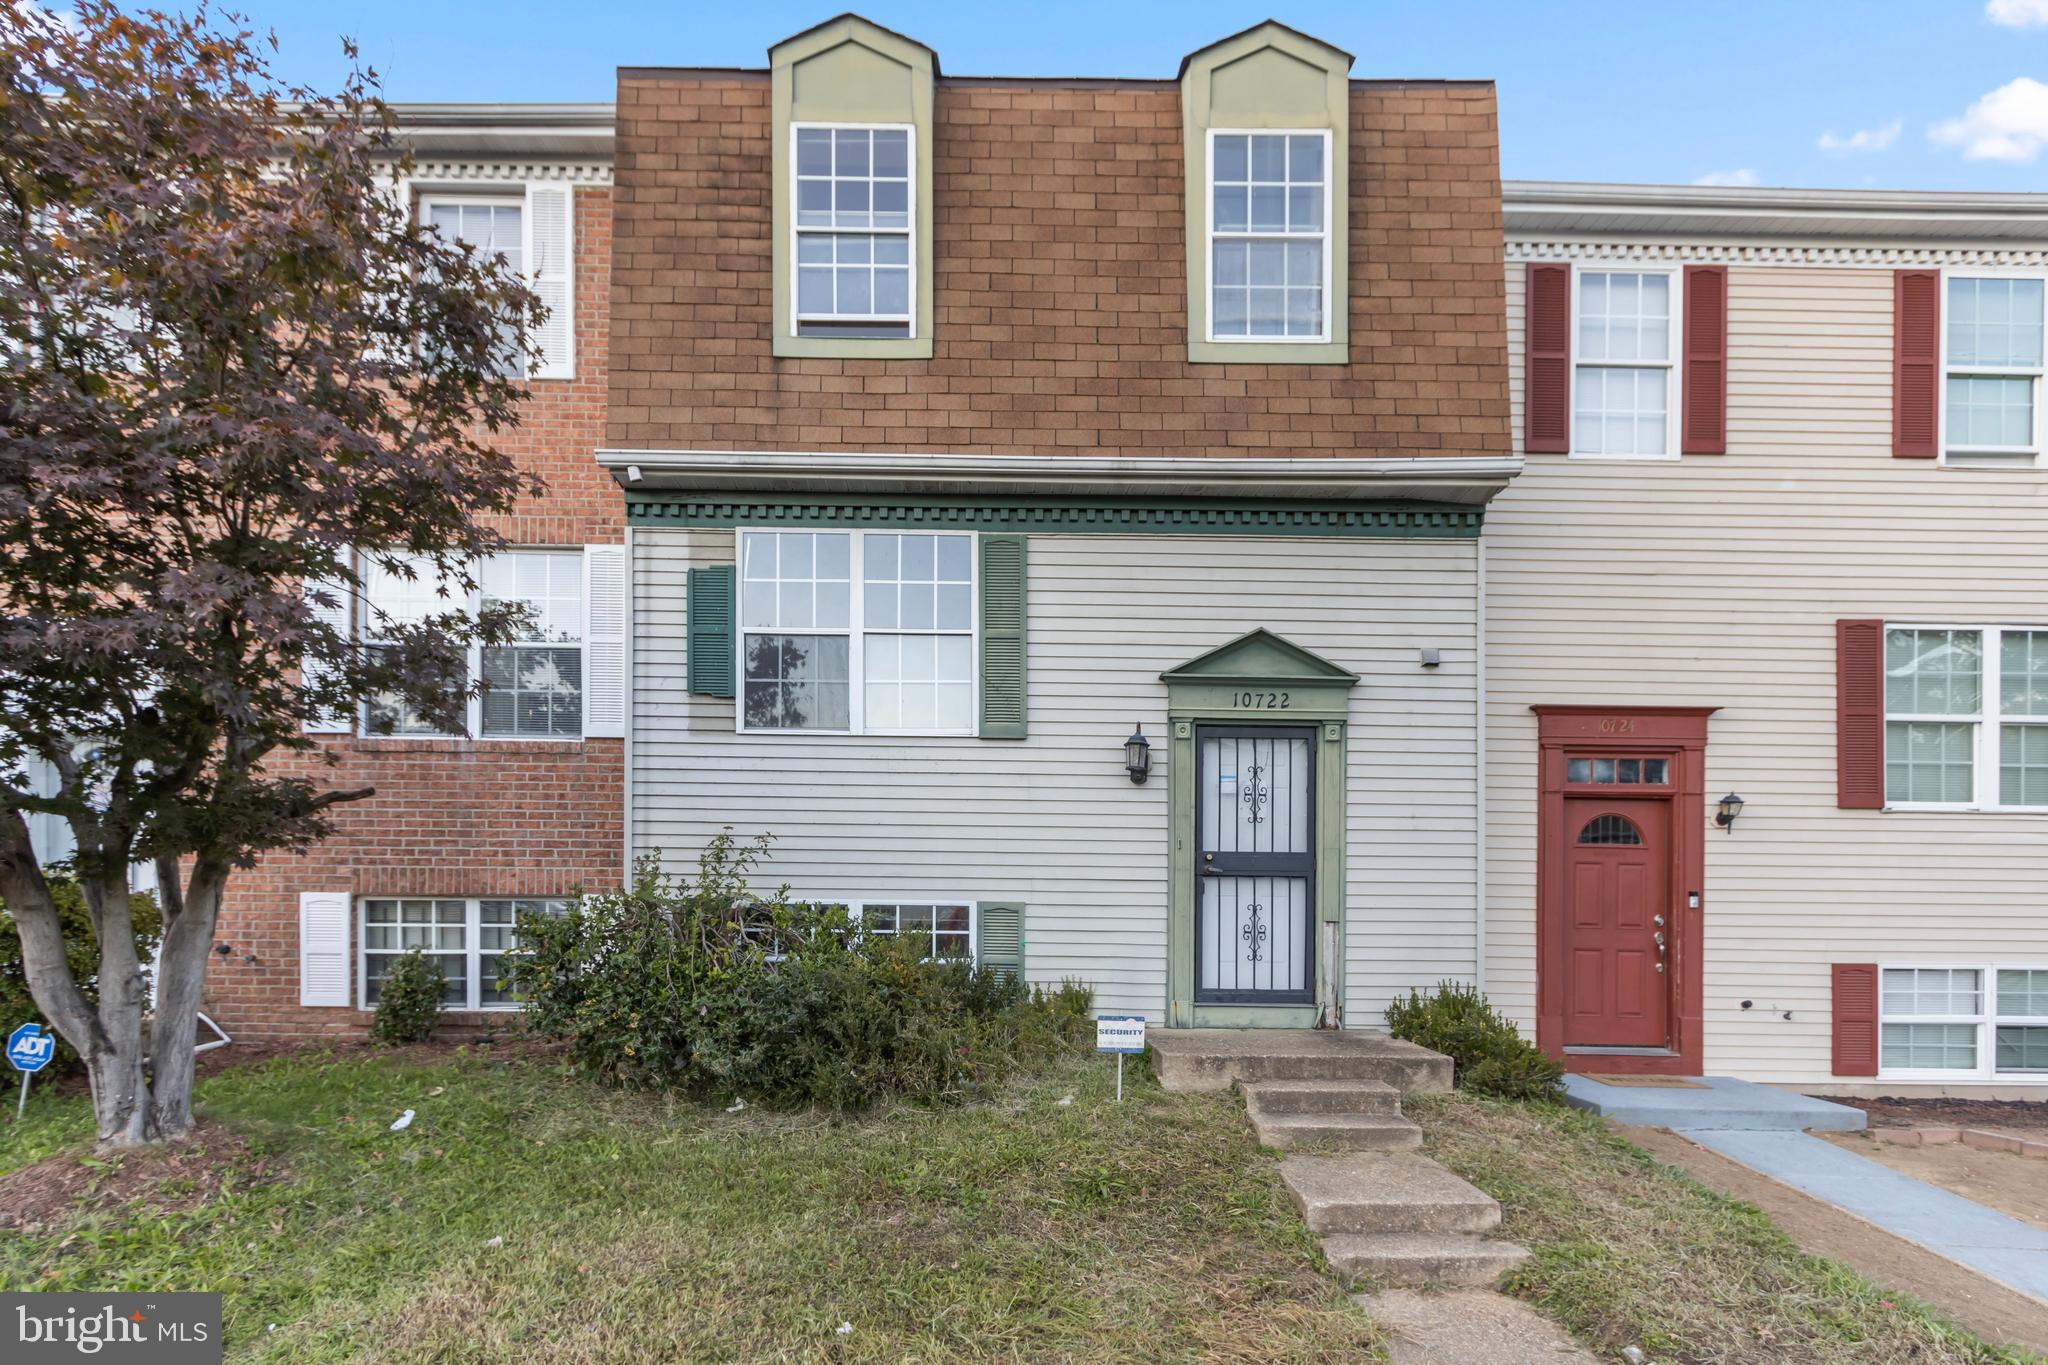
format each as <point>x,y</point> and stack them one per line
<point>337,614</point>
<point>323,948</point>
<point>604,641</point>
<point>551,273</point>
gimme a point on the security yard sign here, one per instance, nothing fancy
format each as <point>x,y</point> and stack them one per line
<point>1123,1034</point>
<point>30,1050</point>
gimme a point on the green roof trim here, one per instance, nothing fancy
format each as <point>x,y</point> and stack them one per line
<point>1355,518</point>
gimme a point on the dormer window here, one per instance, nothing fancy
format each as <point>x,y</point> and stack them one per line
<point>854,238</point>
<point>1269,236</point>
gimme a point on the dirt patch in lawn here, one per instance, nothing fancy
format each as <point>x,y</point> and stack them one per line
<point>2022,1118</point>
<point>184,1175</point>
<point>2015,1185</point>
<point>1989,1309</point>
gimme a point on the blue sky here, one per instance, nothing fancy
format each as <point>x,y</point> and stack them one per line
<point>1926,94</point>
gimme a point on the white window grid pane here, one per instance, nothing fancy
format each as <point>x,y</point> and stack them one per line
<point>391,598</point>
<point>853,219</point>
<point>949,926</point>
<point>1994,411</point>
<point>2020,1048</point>
<point>2022,993</point>
<point>491,228</point>
<point>469,938</point>
<point>1932,992</point>
<point>549,583</point>
<point>918,647</point>
<point>1928,1047</point>
<point>796,580</point>
<point>1994,322</point>
<point>853,276</point>
<point>2023,765</point>
<point>1269,221</point>
<point>1621,411</point>
<point>1933,672</point>
<point>1625,316</point>
<point>1930,762</point>
<point>2023,672</point>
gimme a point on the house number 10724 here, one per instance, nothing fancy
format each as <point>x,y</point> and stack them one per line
<point>1260,701</point>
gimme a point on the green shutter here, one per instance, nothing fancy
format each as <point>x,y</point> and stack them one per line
<point>712,610</point>
<point>1002,637</point>
<point>999,934</point>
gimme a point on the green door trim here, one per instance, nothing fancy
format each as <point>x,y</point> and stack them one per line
<point>1258,678</point>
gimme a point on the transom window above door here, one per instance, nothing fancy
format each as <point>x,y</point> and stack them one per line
<point>1626,772</point>
<point>1622,375</point>
<point>1269,230</point>
<point>896,656</point>
<point>854,235</point>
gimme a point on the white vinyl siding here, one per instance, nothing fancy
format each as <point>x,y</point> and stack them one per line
<point>1992,366</point>
<point>1053,821</point>
<point>1269,236</point>
<point>1718,583</point>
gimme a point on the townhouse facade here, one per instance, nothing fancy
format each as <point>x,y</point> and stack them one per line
<point>1204,537</point>
<point>465,832</point>
<point>1777,537</point>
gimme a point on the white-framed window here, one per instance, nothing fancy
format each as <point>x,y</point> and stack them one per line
<point>491,224</point>
<point>854,226</point>
<point>1966,717</point>
<point>1977,1021</point>
<point>1991,345</point>
<point>949,924</point>
<point>1269,235</point>
<point>857,632</point>
<point>470,938</point>
<point>536,680</point>
<point>1624,380</point>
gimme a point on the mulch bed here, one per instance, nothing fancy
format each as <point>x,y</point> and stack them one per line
<point>178,1176</point>
<point>2015,1116</point>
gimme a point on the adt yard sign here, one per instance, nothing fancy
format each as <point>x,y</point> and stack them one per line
<point>1123,1034</point>
<point>30,1050</point>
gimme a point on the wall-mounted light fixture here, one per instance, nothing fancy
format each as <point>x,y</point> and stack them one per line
<point>1138,756</point>
<point>1731,806</point>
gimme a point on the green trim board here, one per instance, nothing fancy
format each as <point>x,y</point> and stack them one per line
<point>1361,518</point>
<point>1259,677</point>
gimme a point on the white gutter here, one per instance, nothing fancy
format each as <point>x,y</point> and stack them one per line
<point>1449,478</point>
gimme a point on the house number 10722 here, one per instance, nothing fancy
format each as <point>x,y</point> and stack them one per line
<point>1260,701</point>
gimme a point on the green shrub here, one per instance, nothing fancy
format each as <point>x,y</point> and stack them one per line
<point>409,999</point>
<point>1490,1057</point>
<point>697,984</point>
<point>81,949</point>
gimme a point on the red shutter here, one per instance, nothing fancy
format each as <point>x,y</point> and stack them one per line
<point>1705,413</point>
<point>1855,1018</point>
<point>1916,362</point>
<point>1859,715</point>
<point>1547,361</point>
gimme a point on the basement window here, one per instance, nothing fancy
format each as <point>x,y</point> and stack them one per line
<point>471,938</point>
<point>1978,1022</point>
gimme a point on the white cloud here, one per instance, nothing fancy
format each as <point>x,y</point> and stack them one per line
<point>2018,13</point>
<point>1865,139</point>
<point>2009,124</point>
<point>1739,178</point>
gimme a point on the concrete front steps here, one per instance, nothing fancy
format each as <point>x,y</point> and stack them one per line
<point>1384,1211</point>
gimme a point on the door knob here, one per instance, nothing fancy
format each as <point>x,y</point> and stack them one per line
<point>1659,936</point>
<point>1657,920</point>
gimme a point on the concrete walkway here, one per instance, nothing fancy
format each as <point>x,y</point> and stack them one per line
<point>1468,1327</point>
<point>1710,1102</point>
<point>2011,1252</point>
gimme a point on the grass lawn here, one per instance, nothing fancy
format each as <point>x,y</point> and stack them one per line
<point>637,1229</point>
<point>1630,1251</point>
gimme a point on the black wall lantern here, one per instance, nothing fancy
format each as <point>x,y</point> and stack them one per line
<point>1731,806</point>
<point>1138,755</point>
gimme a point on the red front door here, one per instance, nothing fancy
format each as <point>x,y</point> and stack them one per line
<point>1617,922</point>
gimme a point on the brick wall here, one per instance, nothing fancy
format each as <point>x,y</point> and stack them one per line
<point>1060,285</point>
<point>458,817</point>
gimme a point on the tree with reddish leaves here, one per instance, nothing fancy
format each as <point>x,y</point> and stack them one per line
<point>231,356</point>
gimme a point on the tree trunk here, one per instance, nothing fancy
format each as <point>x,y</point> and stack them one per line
<point>180,981</point>
<point>120,1085</point>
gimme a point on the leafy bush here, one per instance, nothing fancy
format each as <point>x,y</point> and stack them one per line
<point>699,985</point>
<point>409,999</point>
<point>81,949</point>
<point>1490,1057</point>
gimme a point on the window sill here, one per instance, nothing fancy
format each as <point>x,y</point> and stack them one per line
<point>1908,809</point>
<point>861,348</point>
<point>1278,351</point>
<point>459,744</point>
<point>1623,459</point>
